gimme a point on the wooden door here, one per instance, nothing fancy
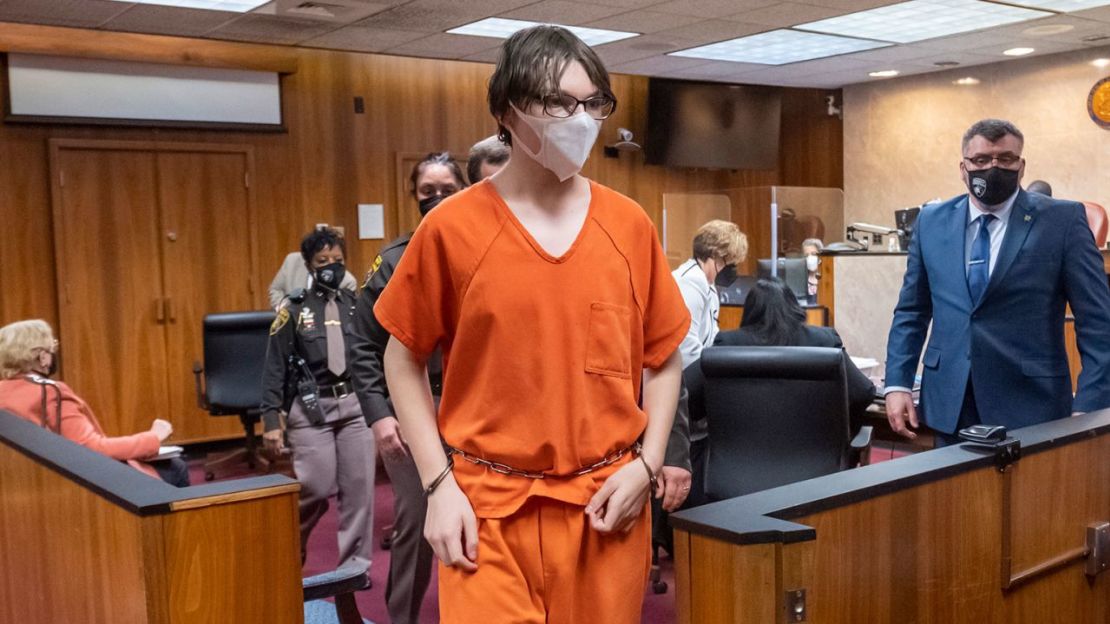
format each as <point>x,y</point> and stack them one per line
<point>110,297</point>
<point>208,258</point>
<point>405,215</point>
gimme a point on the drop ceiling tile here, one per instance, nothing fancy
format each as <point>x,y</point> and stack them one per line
<point>640,47</point>
<point>561,12</point>
<point>785,14</point>
<point>165,20</point>
<point>851,6</point>
<point>337,12</point>
<point>720,70</point>
<point>269,29</point>
<point>446,46</point>
<point>656,65</point>
<point>1101,14</point>
<point>892,54</point>
<point>712,31</point>
<point>363,39</point>
<point>436,16</point>
<point>643,21</point>
<point>629,4</point>
<point>1079,28</point>
<point>968,41</point>
<point>1040,48</point>
<point>706,9</point>
<point>76,13</point>
<point>963,57</point>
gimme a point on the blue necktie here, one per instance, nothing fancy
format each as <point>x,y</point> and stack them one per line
<point>978,265</point>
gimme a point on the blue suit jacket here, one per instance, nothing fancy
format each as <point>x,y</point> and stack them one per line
<point>1012,342</point>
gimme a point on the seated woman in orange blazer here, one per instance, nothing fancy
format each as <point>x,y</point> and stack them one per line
<point>27,359</point>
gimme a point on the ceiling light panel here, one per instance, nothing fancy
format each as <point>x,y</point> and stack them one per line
<point>234,6</point>
<point>779,47</point>
<point>502,28</point>
<point>917,20</point>
<point>1063,6</point>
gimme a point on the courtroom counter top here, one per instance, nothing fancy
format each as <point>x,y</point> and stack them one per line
<point>860,253</point>
<point>116,481</point>
<point>764,517</point>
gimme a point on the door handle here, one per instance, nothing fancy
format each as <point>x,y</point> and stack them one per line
<point>159,310</point>
<point>170,311</point>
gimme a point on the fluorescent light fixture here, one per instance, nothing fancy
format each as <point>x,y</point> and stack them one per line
<point>234,6</point>
<point>1018,51</point>
<point>966,81</point>
<point>501,28</point>
<point>779,47</point>
<point>917,20</point>
<point>1101,63</point>
<point>1062,6</point>
<point>886,73</point>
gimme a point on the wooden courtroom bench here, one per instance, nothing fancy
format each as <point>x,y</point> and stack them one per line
<point>84,538</point>
<point>941,537</point>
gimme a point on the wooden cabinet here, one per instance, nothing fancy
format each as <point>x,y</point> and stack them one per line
<point>148,238</point>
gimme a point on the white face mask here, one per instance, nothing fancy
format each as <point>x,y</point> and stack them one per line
<point>811,263</point>
<point>565,144</point>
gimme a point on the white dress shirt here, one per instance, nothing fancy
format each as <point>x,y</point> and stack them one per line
<point>705,308</point>
<point>997,229</point>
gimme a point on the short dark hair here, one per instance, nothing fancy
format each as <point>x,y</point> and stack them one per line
<point>489,150</point>
<point>1040,186</point>
<point>772,313</point>
<point>436,158</point>
<point>992,130</point>
<point>530,66</point>
<point>319,239</point>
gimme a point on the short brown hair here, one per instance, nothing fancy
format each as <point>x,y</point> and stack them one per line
<point>532,63</point>
<point>992,130</point>
<point>721,239</point>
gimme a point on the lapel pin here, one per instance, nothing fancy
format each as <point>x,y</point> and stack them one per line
<point>1028,218</point>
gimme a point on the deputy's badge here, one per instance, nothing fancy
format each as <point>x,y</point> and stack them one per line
<point>280,321</point>
<point>307,319</point>
<point>373,269</point>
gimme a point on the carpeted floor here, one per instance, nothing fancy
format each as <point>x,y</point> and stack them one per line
<point>323,550</point>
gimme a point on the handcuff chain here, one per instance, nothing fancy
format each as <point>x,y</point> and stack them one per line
<point>516,472</point>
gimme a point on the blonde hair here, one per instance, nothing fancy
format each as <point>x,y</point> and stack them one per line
<point>721,239</point>
<point>20,344</point>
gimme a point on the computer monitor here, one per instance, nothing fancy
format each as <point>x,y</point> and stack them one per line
<point>735,292</point>
<point>792,271</point>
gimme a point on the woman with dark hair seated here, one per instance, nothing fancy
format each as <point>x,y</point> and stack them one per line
<point>773,318</point>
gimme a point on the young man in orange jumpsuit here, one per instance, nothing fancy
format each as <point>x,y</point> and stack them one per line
<point>550,296</point>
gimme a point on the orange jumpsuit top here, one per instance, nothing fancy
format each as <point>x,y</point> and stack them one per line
<point>23,398</point>
<point>542,355</point>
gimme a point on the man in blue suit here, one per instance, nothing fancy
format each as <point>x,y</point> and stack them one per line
<point>993,270</point>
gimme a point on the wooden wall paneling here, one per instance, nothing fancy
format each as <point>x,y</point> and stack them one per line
<point>58,41</point>
<point>109,284</point>
<point>54,565</point>
<point>825,292</point>
<point>732,583</point>
<point>406,215</point>
<point>208,258</point>
<point>811,144</point>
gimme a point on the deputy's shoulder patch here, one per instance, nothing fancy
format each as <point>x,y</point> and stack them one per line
<point>373,269</point>
<point>280,321</point>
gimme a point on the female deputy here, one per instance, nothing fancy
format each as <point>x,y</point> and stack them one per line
<point>332,446</point>
<point>28,357</point>
<point>549,295</point>
<point>410,563</point>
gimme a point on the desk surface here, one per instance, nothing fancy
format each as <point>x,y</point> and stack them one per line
<point>764,517</point>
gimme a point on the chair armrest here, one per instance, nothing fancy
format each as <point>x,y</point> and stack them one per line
<point>860,447</point>
<point>198,385</point>
<point>335,583</point>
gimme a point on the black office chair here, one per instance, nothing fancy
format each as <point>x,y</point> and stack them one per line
<point>234,358</point>
<point>340,584</point>
<point>776,415</point>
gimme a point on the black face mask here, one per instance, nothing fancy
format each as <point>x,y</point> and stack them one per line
<point>992,186</point>
<point>331,276</point>
<point>726,276</point>
<point>428,203</point>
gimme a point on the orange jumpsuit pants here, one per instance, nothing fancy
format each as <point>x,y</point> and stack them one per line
<point>545,564</point>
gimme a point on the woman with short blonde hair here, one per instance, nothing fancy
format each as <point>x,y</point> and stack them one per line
<point>28,357</point>
<point>721,240</point>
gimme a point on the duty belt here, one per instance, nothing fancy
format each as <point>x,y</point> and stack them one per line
<point>337,391</point>
<point>505,469</point>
